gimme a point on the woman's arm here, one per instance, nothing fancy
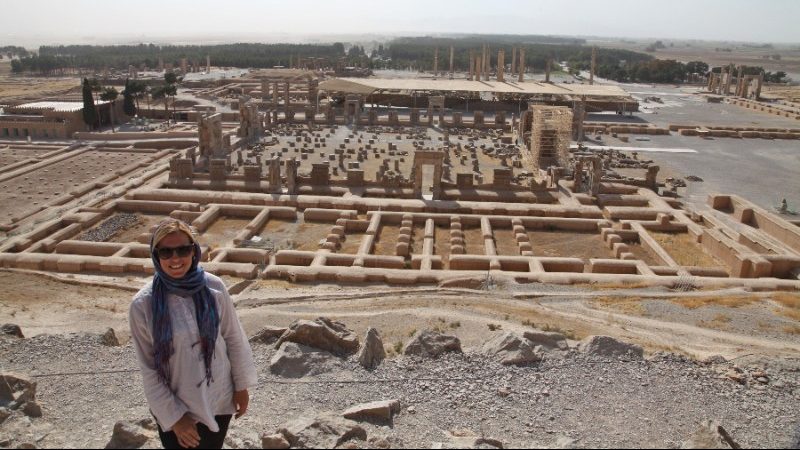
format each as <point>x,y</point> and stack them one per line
<point>239,352</point>
<point>167,408</point>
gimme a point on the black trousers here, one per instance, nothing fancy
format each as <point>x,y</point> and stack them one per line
<point>208,439</point>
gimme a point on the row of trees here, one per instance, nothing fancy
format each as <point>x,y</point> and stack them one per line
<point>419,52</point>
<point>400,53</point>
<point>53,60</point>
<point>11,51</point>
<point>93,90</point>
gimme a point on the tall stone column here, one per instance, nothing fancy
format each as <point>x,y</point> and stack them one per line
<point>275,174</point>
<point>286,96</point>
<point>487,64</point>
<point>759,85</point>
<point>208,63</point>
<point>471,66</point>
<point>291,175</point>
<point>728,81</point>
<point>593,66</point>
<point>521,65</point>
<point>436,62</point>
<point>275,93</point>
<point>513,60</point>
<point>451,62</point>
<point>501,65</point>
<point>478,65</point>
<point>548,68</point>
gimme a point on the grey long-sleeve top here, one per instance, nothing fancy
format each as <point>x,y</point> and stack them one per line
<point>232,368</point>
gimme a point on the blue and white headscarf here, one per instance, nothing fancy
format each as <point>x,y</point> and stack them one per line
<point>192,284</point>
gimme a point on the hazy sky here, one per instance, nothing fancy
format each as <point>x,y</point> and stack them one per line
<point>37,21</point>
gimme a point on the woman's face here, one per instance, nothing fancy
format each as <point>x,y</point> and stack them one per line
<point>175,266</point>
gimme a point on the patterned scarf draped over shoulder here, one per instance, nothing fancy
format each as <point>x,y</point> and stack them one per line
<point>192,284</point>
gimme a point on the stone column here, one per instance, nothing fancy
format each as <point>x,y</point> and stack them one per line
<point>436,62</point>
<point>578,114</point>
<point>291,175</point>
<point>548,68</point>
<point>728,81</point>
<point>275,93</point>
<point>501,65</point>
<point>487,64</point>
<point>275,174</point>
<point>471,66</point>
<point>759,85</point>
<point>451,62</point>
<point>478,65</point>
<point>286,107</point>
<point>513,60</point>
<point>521,65</point>
<point>208,63</point>
<point>593,66</point>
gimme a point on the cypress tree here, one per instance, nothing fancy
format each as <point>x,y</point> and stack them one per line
<point>127,102</point>
<point>89,110</point>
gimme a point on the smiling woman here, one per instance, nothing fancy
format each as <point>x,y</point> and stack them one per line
<point>196,363</point>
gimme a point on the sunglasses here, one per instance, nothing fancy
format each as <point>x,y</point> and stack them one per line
<point>182,251</point>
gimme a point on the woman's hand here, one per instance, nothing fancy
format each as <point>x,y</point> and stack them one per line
<point>186,430</point>
<point>240,400</point>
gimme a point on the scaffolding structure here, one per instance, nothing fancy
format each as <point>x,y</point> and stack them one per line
<point>551,131</point>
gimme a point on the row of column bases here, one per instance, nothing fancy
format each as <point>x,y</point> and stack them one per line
<point>480,65</point>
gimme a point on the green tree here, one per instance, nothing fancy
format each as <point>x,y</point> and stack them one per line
<point>89,110</point>
<point>128,105</point>
<point>164,92</point>
<point>697,67</point>
<point>110,95</point>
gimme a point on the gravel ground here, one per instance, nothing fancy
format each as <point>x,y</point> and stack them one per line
<point>110,227</point>
<point>657,402</point>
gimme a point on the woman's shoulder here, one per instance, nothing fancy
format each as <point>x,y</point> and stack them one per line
<point>144,295</point>
<point>214,282</point>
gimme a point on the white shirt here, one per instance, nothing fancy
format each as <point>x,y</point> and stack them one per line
<point>232,367</point>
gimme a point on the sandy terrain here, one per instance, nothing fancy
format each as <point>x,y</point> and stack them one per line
<point>568,399</point>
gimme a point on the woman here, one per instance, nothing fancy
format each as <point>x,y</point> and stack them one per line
<point>195,360</point>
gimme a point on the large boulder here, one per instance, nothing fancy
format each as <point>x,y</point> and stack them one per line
<point>16,390</point>
<point>511,349</point>
<point>372,352</point>
<point>10,329</point>
<point>324,431</point>
<point>548,340</point>
<point>130,435</point>
<point>710,435</point>
<point>297,360</point>
<point>109,338</point>
<point>431,344</point>
<point>380,411</point>
<point>268,334</point>
<point>323,334</point>
<point>274,441</point>
<point>609,347</point>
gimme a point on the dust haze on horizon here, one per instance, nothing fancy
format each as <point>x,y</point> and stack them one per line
<point>35,22</point>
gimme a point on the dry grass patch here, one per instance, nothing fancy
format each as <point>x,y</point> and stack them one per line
<point>719,322</point>
<point>715,300</point>
<point>607,286</point>
<point>625,305</point>
<point>790,303</point>
<point>683,249</point>
<point>792,329</point>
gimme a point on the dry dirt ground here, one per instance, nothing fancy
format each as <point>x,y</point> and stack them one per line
<point>14,88</point>
<point>569,399</point>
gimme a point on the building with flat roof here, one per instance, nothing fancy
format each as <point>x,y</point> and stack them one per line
<point>48,119</point>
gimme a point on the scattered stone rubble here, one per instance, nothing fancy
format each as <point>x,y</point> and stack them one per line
<point>110,227</point>
<point>457,400</point>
